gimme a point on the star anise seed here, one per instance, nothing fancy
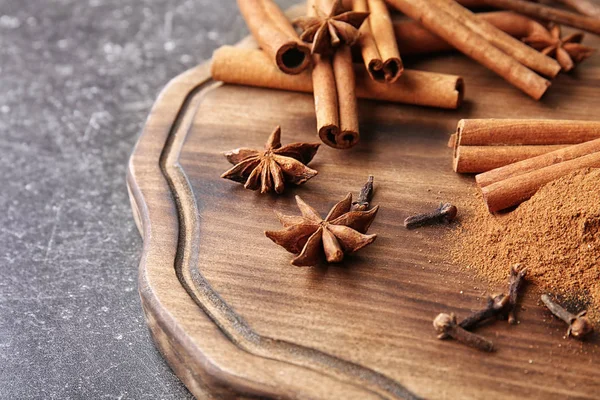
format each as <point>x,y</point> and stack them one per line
<point>270,169</point>
<point>568,51</point>
<point>311,237</point>
<point>328,31</point>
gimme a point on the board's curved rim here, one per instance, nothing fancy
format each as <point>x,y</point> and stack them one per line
<point>204,374</point>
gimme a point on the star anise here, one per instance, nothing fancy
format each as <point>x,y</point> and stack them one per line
<point>568,51</point>
<point>310,237</point>
<point>271,168</point>
<point>328,31</point>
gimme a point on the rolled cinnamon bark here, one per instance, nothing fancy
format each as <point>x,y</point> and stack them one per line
<point>333,84</point>
<point>484,144</point>
<point>251,67</point>
<point>510,185</point>
<point>585,7</point>
<point>275,35</point>
<point>523,53</point>
<point>513,191</point>
<point>345,83</point>
<point>545,13</point>
<point>568,153</point>
<point>465,3</point>
<point>412,38</point>
<point>489,132</point>
<point>378,42</point>
<point>434,17</point>
<point>478,159</point>
<point>325,94</point>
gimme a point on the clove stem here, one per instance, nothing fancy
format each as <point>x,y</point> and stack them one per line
<point>495,306</point>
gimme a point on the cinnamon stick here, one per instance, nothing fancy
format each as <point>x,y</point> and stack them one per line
<point>471,4</point>
<point>523,53</point>
<point>345,85</point>
<point>325,94</point>
<point>275,35</point>
<point>477,159</point>
<point>334,91</point>
<point>585,7</point>
<point>484,144</point>
<point>412,38</point>
<point>510,185</point>
<point>491,131</point>
<point>378,43</point>
<point>436,19</point>
<point>252,67</point>
<point>545,13</point>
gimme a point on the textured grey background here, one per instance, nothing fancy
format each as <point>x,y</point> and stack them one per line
<point>77,79</point>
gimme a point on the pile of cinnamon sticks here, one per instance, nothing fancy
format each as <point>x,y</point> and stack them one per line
<point>510,185</point>
<point>513,60</point>
<point>275,35</point>
<point>515,158</point>
<point>413,38</point>
<point>284,63</point>
<point>493,39</point>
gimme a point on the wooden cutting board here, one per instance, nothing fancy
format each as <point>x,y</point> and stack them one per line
<point>235,320</point>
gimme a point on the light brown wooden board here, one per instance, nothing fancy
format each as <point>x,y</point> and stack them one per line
<point>234,319</point>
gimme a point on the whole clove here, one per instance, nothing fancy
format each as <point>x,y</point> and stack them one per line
<point>579,325</point>
<point>515,282</point>
<point>445,213</point>
<point>445,325</point>
<point>363,201</point>
<point>495,307</point>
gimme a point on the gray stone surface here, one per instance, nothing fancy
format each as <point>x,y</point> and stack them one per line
<point>77,79</point>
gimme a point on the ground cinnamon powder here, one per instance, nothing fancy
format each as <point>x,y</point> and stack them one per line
<point>556,234</point>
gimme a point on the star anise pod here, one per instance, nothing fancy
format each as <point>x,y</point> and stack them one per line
<point>568,51</point>
<point>310,237</point>
<point>271,168</point>
<point>328,31</point>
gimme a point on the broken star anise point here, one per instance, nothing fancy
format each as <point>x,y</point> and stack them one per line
<point>313,238</point>
<point>272,167</point>
<point>568,50</point>
<point>328,31</point>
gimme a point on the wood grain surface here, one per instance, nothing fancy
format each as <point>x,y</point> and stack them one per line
<point>235,320</point>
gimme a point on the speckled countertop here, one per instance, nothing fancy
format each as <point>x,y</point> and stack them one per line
<point>77,79</point>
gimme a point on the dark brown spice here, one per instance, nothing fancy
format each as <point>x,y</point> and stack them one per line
<point>579,325</point>
<point>363,201</point>
<point>445,213</point>
<point>445,325</point>
<point>517,276</point>
<point>499,305</point>
<point>495,306</point>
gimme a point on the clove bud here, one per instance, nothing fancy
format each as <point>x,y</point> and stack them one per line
<point>445,213</point>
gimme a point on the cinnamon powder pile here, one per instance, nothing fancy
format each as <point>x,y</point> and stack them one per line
<point>555,234</point>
